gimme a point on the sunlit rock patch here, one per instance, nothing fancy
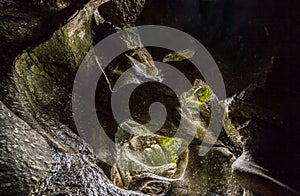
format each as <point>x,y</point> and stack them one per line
<point>145,158</point>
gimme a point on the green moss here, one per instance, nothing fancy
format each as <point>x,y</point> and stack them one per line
<point>56,50</point>
<point>64,49</point>
<point>202,95</point>
<point>49,57</point>
<point>81,45</point>
<point>36,67</point>
<point>169,146</point>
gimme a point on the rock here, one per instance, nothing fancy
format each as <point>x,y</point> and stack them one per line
<point>46,158</point>
<point>55,4</point>
<point>36,151</point>
<point>179,55</point>
<point>147,162</point>
<point>251,50</point>
<point>148,159</point>
<point>198,103</point>
<point>214,168</point>
<point>28,24</point>
<point>75,174</point>
<point>207,175</point>
<point>122,13</point>
<point>246,43</point>
<point>257,179</point>
<point>45,74</point>
<point>116,15</point>
<point>259,170</point>
<point>25,154</point>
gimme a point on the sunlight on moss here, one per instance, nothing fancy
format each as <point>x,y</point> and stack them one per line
<point>201,94</point>
<point>169,146</point>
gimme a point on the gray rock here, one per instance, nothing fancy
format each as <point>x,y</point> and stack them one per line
<point>147,162</point>
<point>25,154</point>
<point>257,179</point>
<point>75,174</point>
<point>39,151</point>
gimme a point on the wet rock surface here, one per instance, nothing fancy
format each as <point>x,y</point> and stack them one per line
<point>25,154</point>
<point>81,176</point>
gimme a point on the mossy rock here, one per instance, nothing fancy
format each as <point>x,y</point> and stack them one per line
<point>143,153</point>
<point>45,73</point>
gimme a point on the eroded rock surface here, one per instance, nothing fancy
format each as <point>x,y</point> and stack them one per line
<point>147,162</point>
<point>76,174</point>
<point>25,154</point>
<point>37,150</point>
<point>255,45</point>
